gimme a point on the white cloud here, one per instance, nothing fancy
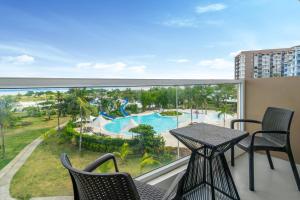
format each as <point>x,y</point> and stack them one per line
<point>182,60</point>
<point>137,69</point>
<point>84,65</point>
<point>22,59</point>
<point>40,50</point>
<point>235,53</point>
<point>112,68</point>
<point>214,22</point>
<point>190,22</point>
<point>117,66</point>
<point>217,63</point>
<point>181,23</point>
<point>210,8</point>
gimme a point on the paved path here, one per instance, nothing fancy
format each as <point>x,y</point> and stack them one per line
<point>8,172</point>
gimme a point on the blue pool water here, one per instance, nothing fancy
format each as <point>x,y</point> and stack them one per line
<point>159,123</point>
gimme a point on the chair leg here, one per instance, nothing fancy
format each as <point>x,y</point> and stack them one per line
<point>270,159</point>
<point>232,156</point>
<point>294,167</point>
<point>251,169</point>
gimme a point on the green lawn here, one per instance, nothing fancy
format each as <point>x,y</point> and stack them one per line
<point>17,138</point>
<point>43,175</point>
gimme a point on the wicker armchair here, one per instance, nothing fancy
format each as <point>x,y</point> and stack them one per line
<point>274,136</point>
<point>113,186</point>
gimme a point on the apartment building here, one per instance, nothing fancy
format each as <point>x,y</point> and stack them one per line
<point>267,63</point>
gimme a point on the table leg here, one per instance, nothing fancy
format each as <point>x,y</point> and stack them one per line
<point>229,176</point>
<point>212,179</point>
<point>204,165</point>
<point>208,178</point>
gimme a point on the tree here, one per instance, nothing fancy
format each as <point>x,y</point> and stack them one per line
<point>60,107</point>
<point>6,117</point>
<point>106,167</point>
<point>223,93</point>
<point>224,110</point>
<point>124,151</point>
<point>205,95</point>
<point>29,93</point>
<point>171,97</point>
<point>148,160</point>
<point>132,108</point>
<point>84,113</point>
<point>78,105</point>
<point>48,106</point>
<point>33,111</point>
<point>201,96</point>
<point>105,104</point>
<point>148,141</point>
<point>146,99</point>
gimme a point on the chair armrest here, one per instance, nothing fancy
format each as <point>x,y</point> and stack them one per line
<point>172,191</point>
<point>94,165</point>
<point>244,120</point>
<point>261,131</point>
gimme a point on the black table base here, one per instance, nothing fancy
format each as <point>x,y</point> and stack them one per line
<point>208,177</point>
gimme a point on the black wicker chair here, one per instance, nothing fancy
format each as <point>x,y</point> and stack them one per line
<point>274,136</point>
<point>113,186</point>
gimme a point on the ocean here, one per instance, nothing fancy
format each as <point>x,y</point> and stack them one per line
<point>24,91</point>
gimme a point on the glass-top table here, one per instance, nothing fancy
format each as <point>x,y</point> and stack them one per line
<point>208,175</point>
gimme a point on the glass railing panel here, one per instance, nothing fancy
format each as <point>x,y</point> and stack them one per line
<point>213,104</point>
<point>131,122</point>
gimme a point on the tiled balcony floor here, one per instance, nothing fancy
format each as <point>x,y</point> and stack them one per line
<point>278,184</point>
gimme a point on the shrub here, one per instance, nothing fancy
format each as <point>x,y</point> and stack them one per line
<point>48,134</point>
<point>148,160</point>
<point>149,142</point>
<point>132,108</point>
<point>33,111</point>
<point>95,143</point>
<point>170,113</point>
<point>115,113</point>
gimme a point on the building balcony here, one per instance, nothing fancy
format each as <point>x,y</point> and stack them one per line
<point>86,118</point>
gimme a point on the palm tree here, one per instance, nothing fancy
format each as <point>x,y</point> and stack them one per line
<point>2,138</point>
<point>59,103</point>
<point>77,103</point>
<point>148,160</point>
<point>106,167</point>
<point>224,92</point>
<point>84,112</point>
<point>205,95</point>
<point>124,151</point>
<point>6,117</point>
<point>224,110</point>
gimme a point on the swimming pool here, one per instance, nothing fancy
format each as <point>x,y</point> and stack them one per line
<point>159,123</point>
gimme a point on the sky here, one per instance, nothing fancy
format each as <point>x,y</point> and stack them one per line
<point>139,38</point>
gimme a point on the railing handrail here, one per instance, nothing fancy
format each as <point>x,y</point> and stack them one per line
<point>20,83</point>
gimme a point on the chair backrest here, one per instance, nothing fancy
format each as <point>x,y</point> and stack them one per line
<point>90,186</point>
<point>277,119</point>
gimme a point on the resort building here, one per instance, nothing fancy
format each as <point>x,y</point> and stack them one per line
<point>267,63</point>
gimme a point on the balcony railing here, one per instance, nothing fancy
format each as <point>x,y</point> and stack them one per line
<point>89,117</point>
